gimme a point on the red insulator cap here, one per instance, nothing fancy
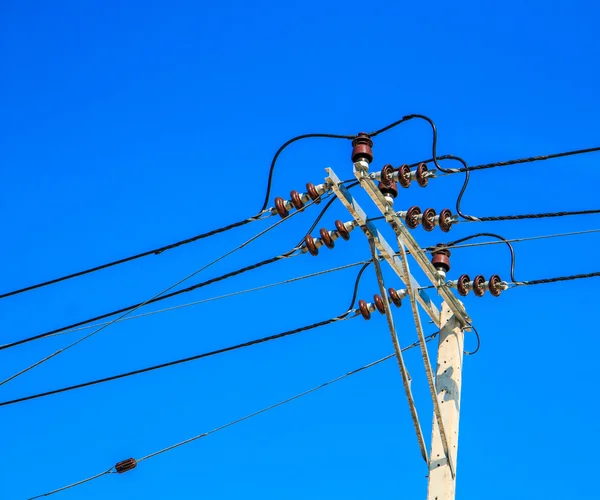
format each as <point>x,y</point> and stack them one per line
<point>310,244</point>
<point>404,177</point>
<point>379,303</point>
<point>478,288</point>
<point>412,215</point>
<point>361,148</point>
<point>390,189</point>
<point>280,207</point>
<point>341,228</point>
<point>422,180</point>
<point>441,259</point>
<point>312,192</point>
<point>462,283</point>
<point>428,220</point>
<point>126,465</point>
<point>326,237</point>
<point>364,309</point>
<point>296,200</point>
<point>494,283</point>
<point>395,297</point>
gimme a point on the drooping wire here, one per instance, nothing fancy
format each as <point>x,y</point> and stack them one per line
<point>284,146</point>
<point>451,244</point>
<point>470,353</point>
<point>163,296</point>
<point>519,240</point>
<point>178,361</point>
<point>153,298</point>
<point>155,251</point>
<point>227,295</point>
<point>244,418</point>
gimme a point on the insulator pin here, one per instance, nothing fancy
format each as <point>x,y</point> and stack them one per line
<point>440,259</point>
<point>361,148</point>
<point>126,465</point>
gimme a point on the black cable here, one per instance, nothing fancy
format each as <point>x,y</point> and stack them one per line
<point>155,251</point>
<point>491,235</point>
<point>529,159</point>
<point>285,145</point>
<point>175,362</point>
<point>162,297</point>
<point>157,299</point>
<point>536,216</point>
<point>478,342</point>
<point>560,278</point>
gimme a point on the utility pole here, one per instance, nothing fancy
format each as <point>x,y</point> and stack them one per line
<point>444,386</point>
<point>442,483</point>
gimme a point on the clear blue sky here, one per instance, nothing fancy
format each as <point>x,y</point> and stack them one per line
<point>128,126</point>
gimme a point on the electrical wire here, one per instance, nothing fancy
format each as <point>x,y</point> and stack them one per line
<point>163,296</point>
<point>244,418</point>
<point>227,295</point>
<point>490,235</point>
<point>529,159</point>
<point>152,299</point>
<point>155,251</point>
<point>178,361</point>
<point>558,279</point>
<point>470,353</point>
<point>341,317</point>
<point>517,240</point>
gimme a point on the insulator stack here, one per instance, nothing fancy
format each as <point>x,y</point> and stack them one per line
<point>327,238</point>
<point>361,148</point>
<point>479,285</point>
<point>405,176</point>
<point>126,465</point>
<point>298,200</point>
<point>429,219</point>
<point>440,258</point>
<point>387,185</point>
<point>366,308</point>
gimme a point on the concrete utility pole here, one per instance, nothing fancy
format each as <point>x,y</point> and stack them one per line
<point>444,388</point>
<point>442,483</point>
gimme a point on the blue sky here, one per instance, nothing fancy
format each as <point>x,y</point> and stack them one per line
<point>128,127</point>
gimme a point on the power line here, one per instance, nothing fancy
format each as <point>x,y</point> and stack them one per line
<point>204,355</point>
<point>155,251</point>
<point>179,361</point>
<point>242,419</point>
<point>529,159</point>
<point>227,295</point>
<point>154,298</point>
<point>517,240</point>
<point>558,279</point>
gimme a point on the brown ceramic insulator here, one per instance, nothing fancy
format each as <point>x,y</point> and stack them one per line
<point>126,465</point>
<point>395,297</point>
<point>422,180</point>
<point>361,148</point>
<point>364,309</point>
<point>441,262</point>
<point>494,281</point>
<point>296,200</point>
<point>326,237</point>
<point>280,207</point>
<point>404,176</point>
<point>386,174</point>
<point>310,244</point>
<point>312,192</point>
<point>391,189</point>
<point>411,217</point>
<point>341,228</point>
<point>462,285</point>
<point>428,220</point>
<point>379,305</point>
<point>444,222</point>
<point>478,285</point>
